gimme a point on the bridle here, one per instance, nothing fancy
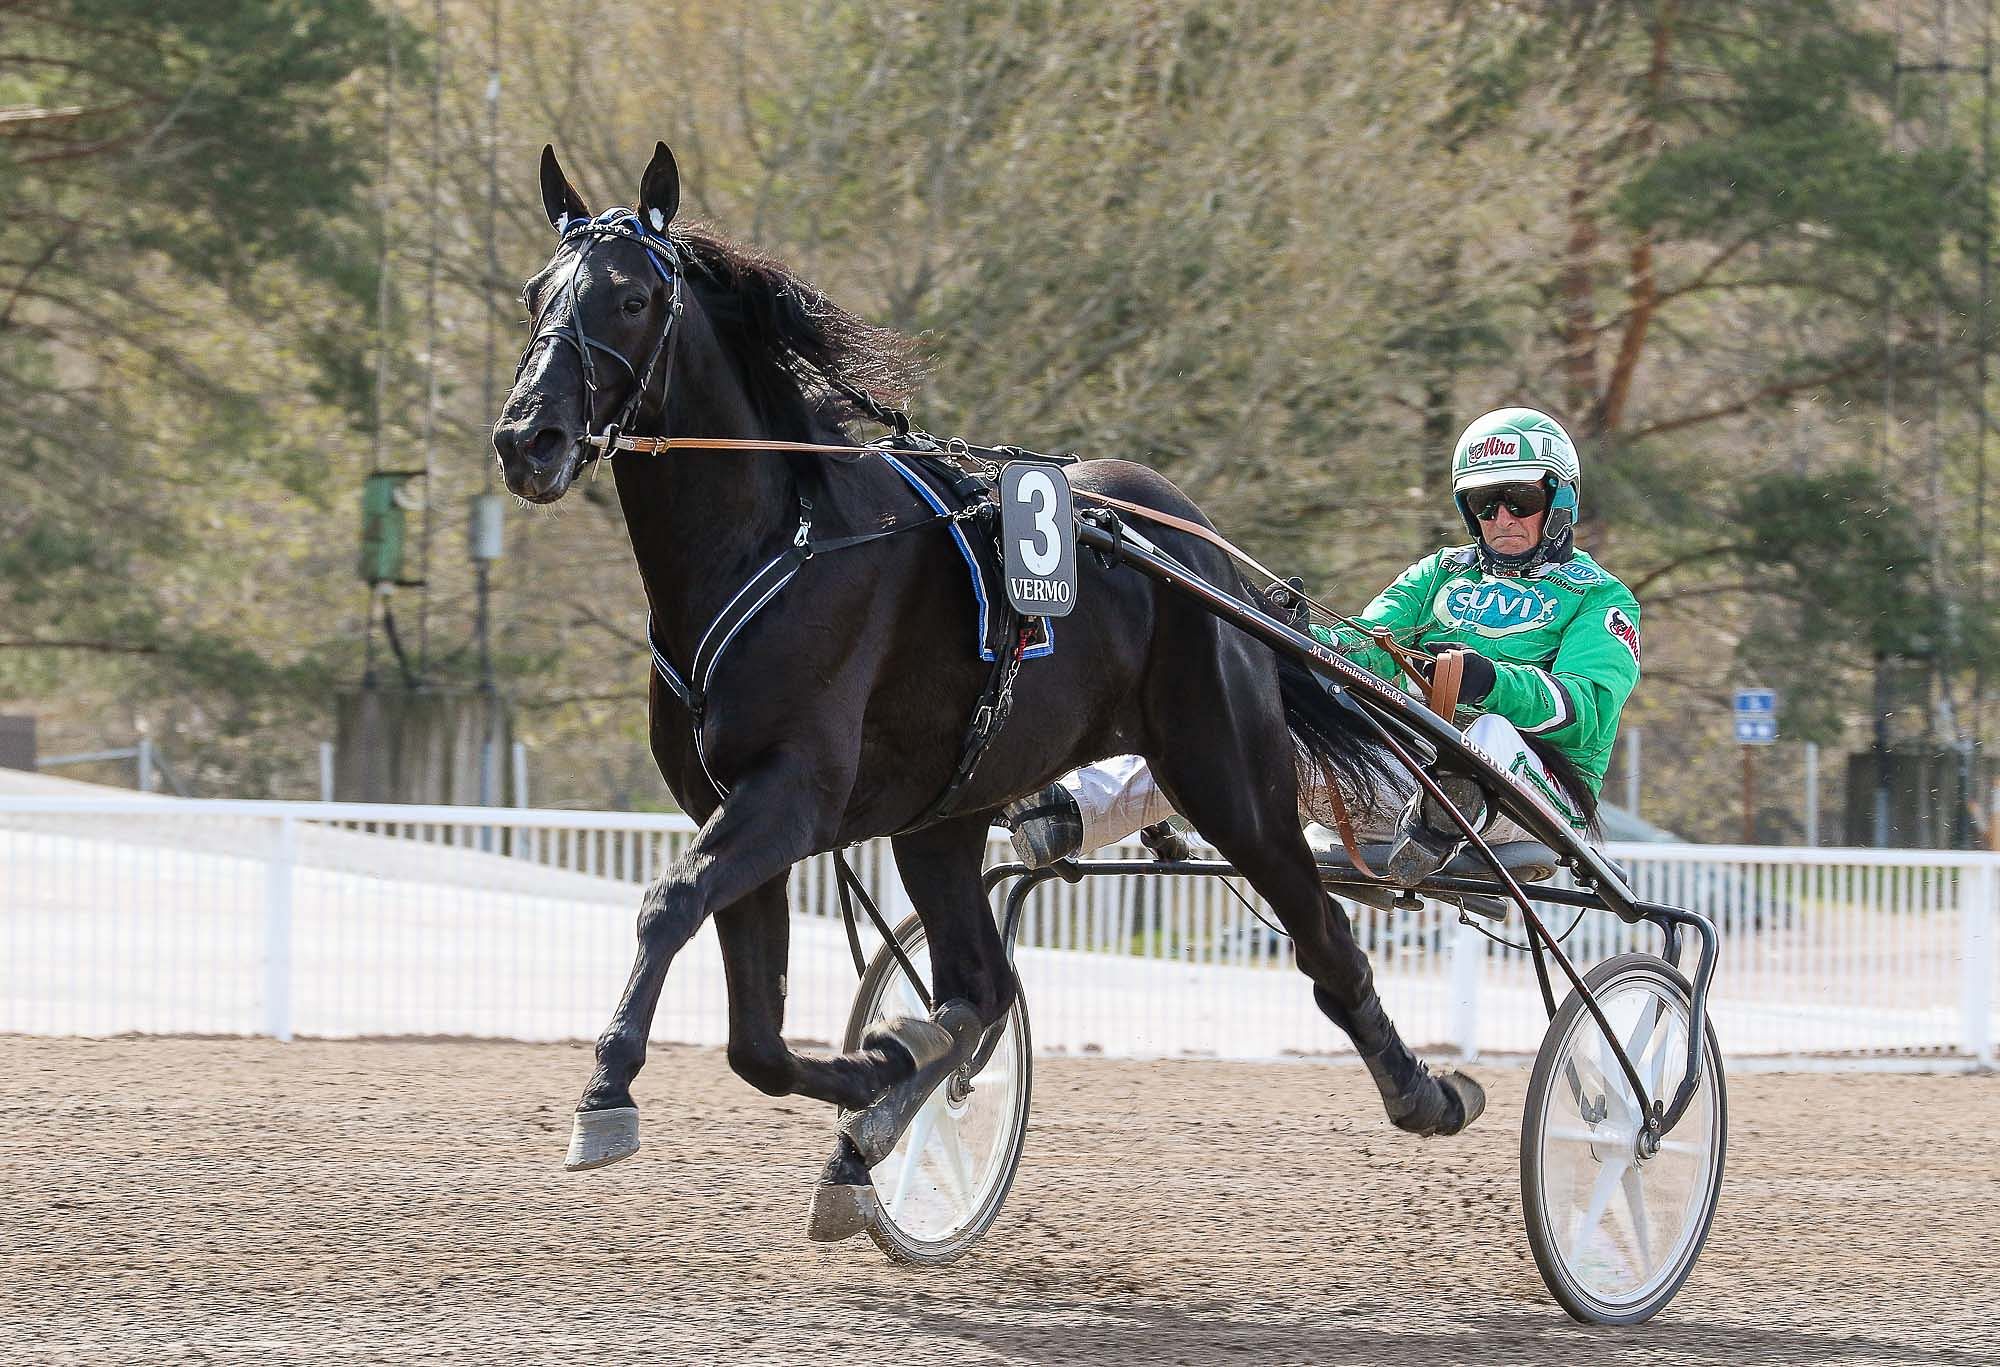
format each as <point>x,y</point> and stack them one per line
<point>664,254</point>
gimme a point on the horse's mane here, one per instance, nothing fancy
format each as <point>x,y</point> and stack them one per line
<point>787,338</point>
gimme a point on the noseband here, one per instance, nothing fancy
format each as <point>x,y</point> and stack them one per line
<point>661,250</point>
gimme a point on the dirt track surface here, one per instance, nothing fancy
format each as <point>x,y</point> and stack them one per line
<point>246,1201</point>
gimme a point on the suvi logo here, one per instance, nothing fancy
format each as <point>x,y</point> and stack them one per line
<point>1498,607</point>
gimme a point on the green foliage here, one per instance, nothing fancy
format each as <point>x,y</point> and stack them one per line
<point>185,258</point>
<point>1280,251</point>
<point>1774,142</point>
<point>1847,561</point>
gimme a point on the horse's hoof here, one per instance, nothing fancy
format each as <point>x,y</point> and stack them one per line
<point>600,1138</point>
<point>1471,1100</point>
<point>840,1212</point>
<point>1439,1104</point>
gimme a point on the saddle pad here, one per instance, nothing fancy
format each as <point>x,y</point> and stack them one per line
<point>985,582</point>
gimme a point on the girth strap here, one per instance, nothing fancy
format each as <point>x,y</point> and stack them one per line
<point>996,700</point>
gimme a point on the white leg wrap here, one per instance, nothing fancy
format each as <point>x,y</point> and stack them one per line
<point>1117,798</point>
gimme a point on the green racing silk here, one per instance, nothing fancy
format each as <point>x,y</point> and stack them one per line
<point>1564,642</point>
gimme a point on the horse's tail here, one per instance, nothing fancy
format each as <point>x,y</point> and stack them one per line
<point>1342,747</point>
<point>1331,737</point>
<point>1569,778</point>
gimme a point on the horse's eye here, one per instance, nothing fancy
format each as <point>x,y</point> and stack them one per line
<point>635,305</point>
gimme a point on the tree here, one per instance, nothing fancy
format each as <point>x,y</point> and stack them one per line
<point>184,260</point>
<point>1714,163</point>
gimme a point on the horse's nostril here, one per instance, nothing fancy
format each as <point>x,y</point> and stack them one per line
<point>546,447</point>
<point>537,448</point>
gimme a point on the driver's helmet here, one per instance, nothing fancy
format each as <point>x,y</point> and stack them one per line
<point>1519,446</point>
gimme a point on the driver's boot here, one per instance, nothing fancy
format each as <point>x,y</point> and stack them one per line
<point>1046,826</point>
<point>1426,837</point>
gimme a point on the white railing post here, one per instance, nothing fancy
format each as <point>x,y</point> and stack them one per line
<point>278,880</point>
<point>890,894</point>
<point>1468,953</point>
<point>1976,927</point>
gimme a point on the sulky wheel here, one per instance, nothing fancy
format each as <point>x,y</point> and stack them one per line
<point>1616,1229</point>
<point>943,1184</point>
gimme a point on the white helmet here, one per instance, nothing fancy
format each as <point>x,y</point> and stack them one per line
<point>1520,446</point>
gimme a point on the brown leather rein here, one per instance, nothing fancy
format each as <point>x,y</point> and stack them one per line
<point>1439,677</point>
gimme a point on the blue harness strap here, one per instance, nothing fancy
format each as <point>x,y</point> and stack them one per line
<point>984,640</point>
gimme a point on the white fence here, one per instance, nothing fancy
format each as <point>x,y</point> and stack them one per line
<point>152,915</point>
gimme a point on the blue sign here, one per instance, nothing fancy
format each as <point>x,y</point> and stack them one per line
<point>1756,712</point>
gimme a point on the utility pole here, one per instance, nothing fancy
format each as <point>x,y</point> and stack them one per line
<point>1812,795</point>
<point>1749,795</point>
<point>439,49</point>
<point>1968,732</point>
<point>487,509</point>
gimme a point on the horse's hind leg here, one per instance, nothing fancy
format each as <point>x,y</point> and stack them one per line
<point>1234,778</point>
<point>973,987</point>
<point>755,937</point>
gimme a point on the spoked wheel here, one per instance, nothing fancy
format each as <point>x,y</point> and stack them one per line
<point>1616,1230</point>
<point>943,1184</point>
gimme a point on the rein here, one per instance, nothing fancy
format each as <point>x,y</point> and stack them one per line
<point>1438,679</point>
<point>1420,667</point>
<point>623,223</point>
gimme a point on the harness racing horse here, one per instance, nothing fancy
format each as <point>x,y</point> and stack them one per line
<point>837,711</point>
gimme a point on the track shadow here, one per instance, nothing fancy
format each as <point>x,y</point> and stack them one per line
<point>1117,1331</point>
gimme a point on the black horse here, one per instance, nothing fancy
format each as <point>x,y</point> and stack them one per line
<point>837,712</point>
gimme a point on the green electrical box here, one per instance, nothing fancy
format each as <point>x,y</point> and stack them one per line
<point>386,501</point>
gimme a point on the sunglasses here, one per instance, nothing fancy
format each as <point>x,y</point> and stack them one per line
<point>1522,500</point>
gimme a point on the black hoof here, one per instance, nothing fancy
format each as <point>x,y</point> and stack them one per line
<point>1438,1105</point>
<point>1471,1099</point>
<point>845,1168</point>
<point>840,1213</point>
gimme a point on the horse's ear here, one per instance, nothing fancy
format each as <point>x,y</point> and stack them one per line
<point>559,198</point>
<point>660,190</point>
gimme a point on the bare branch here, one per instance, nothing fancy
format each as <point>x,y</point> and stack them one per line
<point>102,647</point>
<point>1776,390</point>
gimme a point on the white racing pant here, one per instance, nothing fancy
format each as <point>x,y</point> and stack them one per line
<point>1119,797</point>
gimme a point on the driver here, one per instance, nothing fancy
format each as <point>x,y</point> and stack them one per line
<point>1550,646</point>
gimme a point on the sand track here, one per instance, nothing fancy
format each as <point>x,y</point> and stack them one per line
<point>172,1200</point>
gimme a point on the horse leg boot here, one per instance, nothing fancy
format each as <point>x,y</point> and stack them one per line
<point>975,988</point>
<point>754,836</point>
<point>844,1200</point>
<point>1416,1099</point>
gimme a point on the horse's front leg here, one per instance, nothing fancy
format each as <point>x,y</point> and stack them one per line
<point>755,936</point>
<point>759,831</point>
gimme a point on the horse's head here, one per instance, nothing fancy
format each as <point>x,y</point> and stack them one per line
<point>604,311</point>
